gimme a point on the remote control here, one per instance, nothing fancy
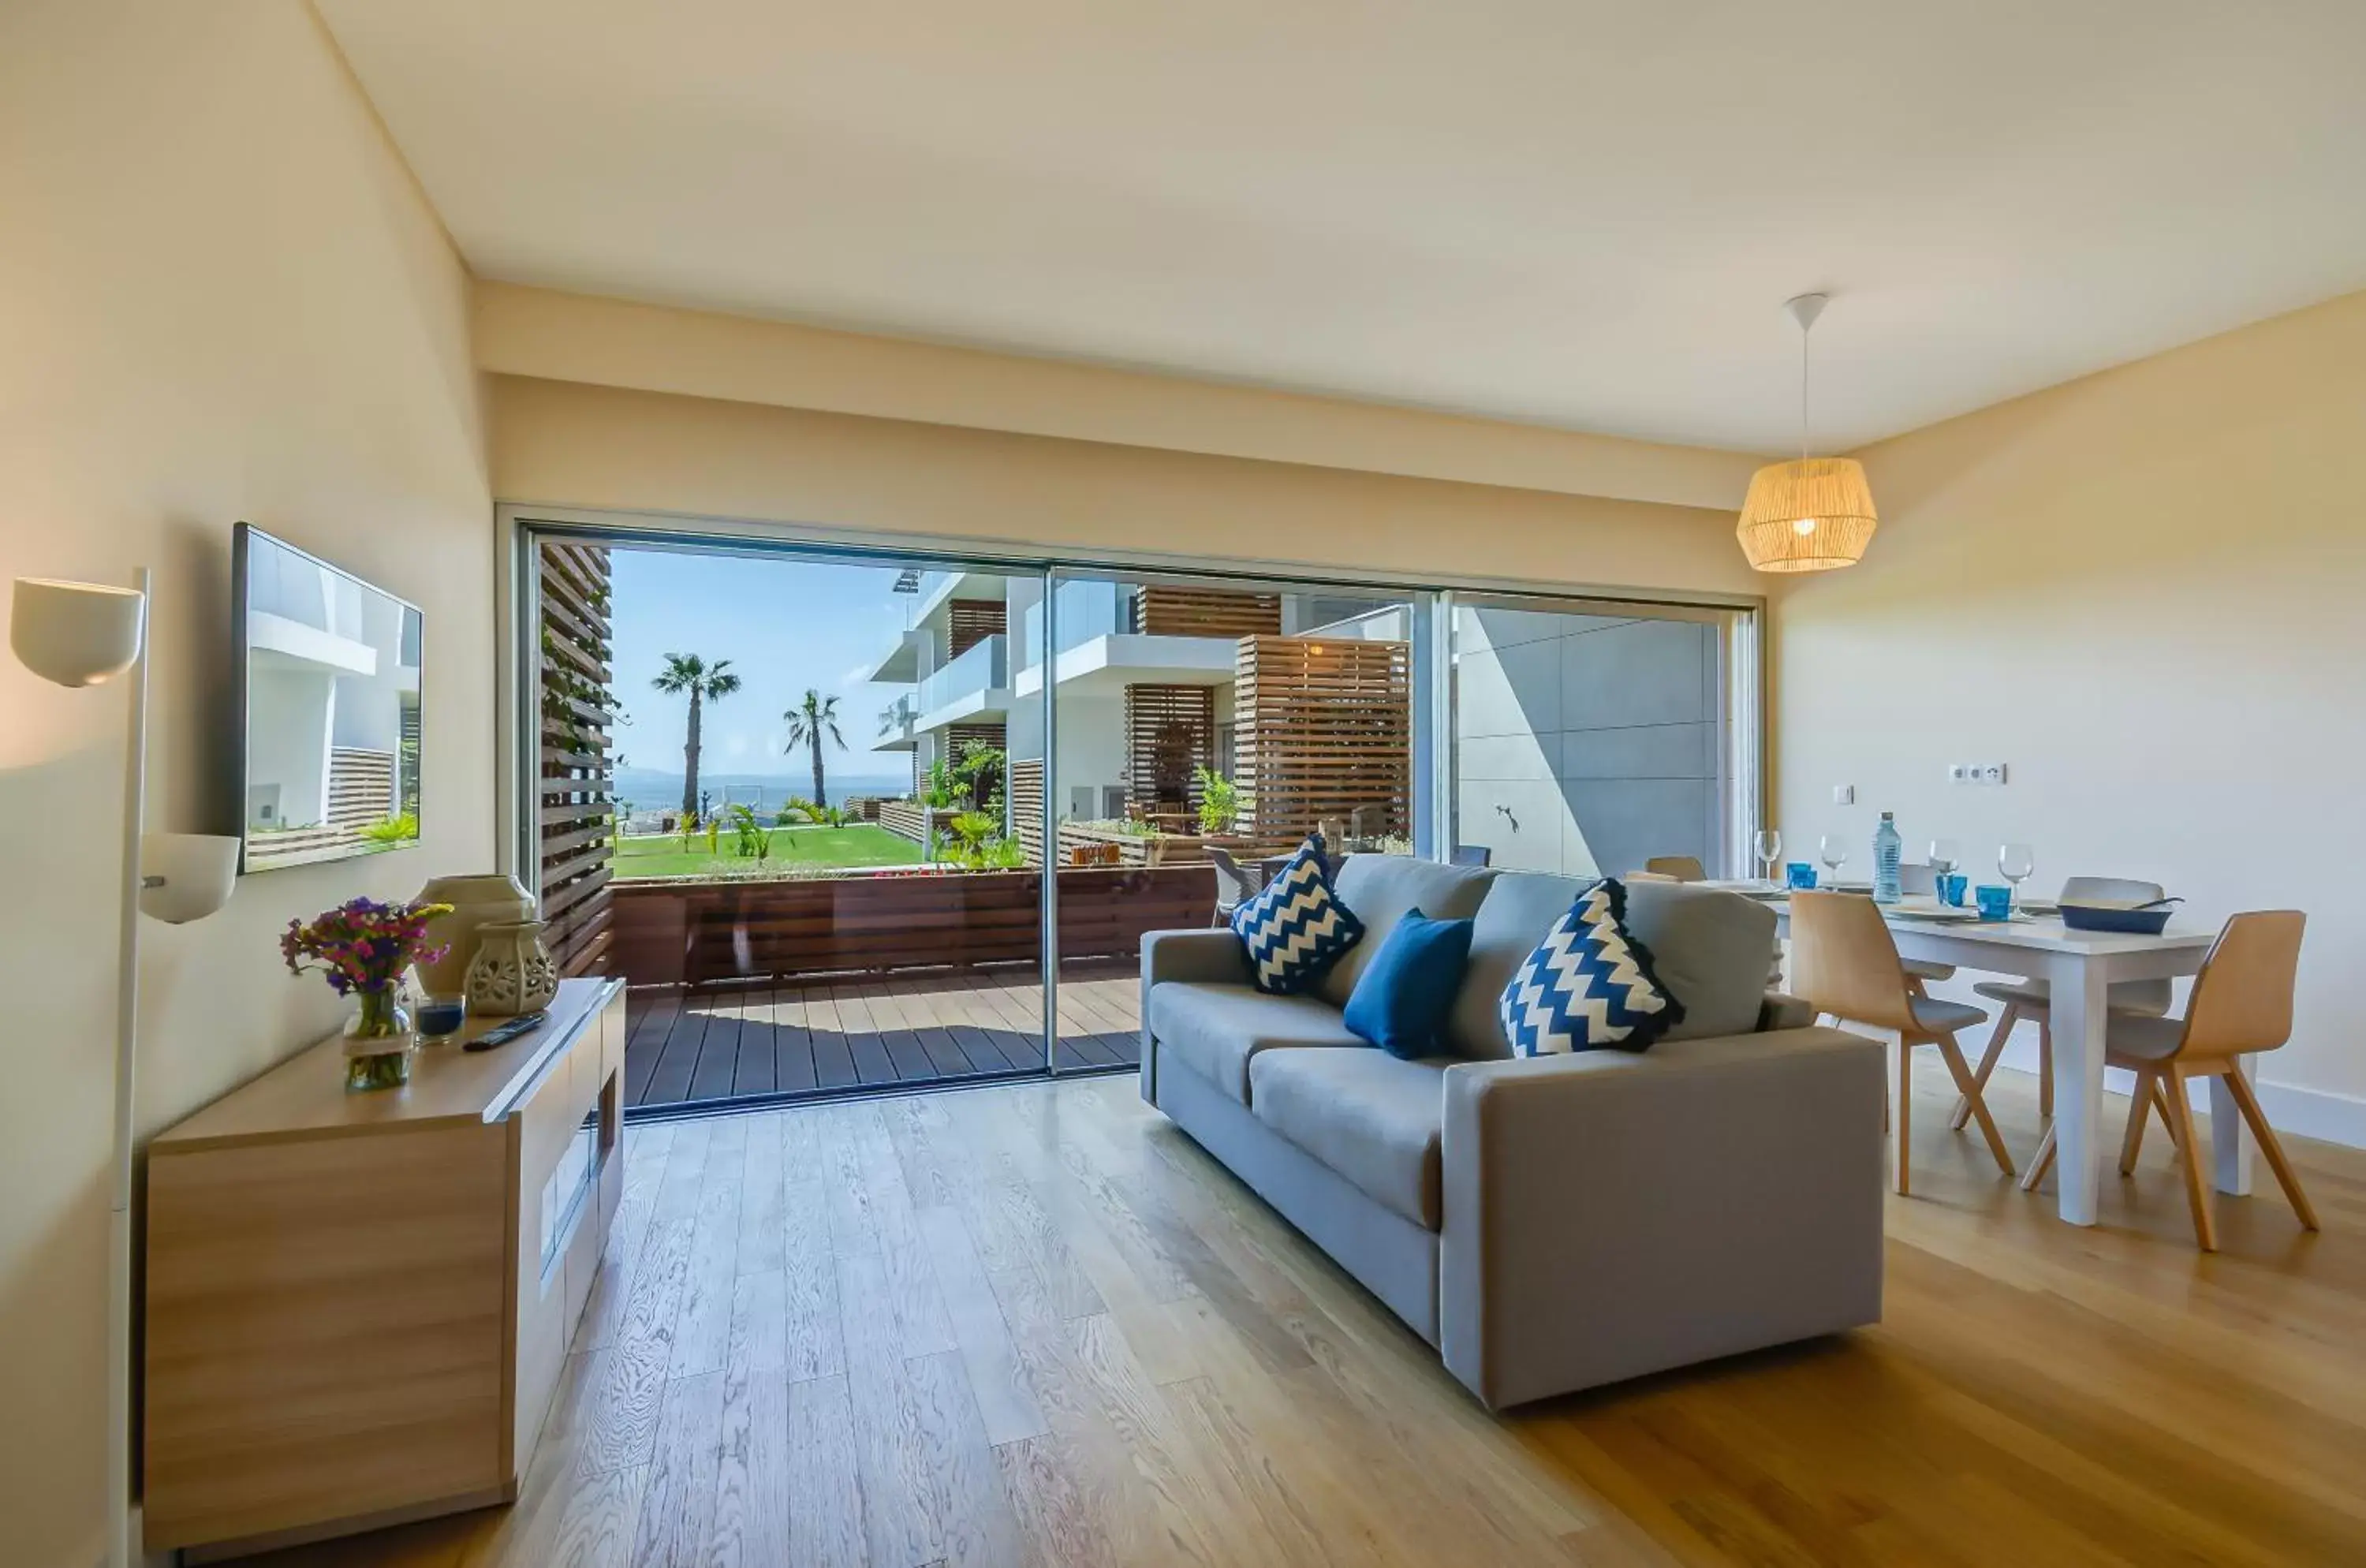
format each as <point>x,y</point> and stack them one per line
<point>525,1024</point>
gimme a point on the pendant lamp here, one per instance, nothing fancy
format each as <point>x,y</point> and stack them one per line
<point>1812,514</point>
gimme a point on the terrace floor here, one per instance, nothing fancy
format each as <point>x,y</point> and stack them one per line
<point>814,1036</point>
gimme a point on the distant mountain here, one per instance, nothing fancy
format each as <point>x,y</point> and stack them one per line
<point>654,789</point>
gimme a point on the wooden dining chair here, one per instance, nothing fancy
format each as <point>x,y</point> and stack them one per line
<point>1676,868</point>
<point>2034,999</point>
<point>2242,1003</point>
<point>1844,962</point>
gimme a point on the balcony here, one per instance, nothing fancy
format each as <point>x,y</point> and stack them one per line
<point>976,684</point>
<point>895,725</point>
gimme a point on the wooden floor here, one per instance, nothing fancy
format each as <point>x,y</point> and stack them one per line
<point>1035,1323</point>
<point>734,1042</point>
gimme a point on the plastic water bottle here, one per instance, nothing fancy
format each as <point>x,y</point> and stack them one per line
<point>1886,845</point>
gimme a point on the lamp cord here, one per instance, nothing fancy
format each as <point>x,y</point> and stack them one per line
<point>1803,392</point>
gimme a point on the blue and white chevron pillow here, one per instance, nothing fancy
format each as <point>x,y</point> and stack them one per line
<point>1588,985</point>
<point>1296,928</point>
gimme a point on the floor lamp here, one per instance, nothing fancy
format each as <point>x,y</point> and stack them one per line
<point>84,634</point>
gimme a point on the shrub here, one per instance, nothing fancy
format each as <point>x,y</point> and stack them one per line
<point>1219,802</point>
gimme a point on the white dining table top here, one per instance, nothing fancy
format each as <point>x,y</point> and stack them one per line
<point>2036,933</point>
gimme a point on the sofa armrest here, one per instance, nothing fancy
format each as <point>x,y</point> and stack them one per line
<point>1781,1011</point>
<point>1209,957</point>
<point>1608,1215</point>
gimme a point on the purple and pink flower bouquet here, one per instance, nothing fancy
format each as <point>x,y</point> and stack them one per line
<point>364,948</point>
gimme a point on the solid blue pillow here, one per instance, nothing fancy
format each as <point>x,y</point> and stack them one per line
<point>1406,991</point>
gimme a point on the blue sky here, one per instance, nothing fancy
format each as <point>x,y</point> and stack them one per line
<point>785,626</point>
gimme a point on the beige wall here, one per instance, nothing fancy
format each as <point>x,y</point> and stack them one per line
<point>2146,592</point>
<point>570,444</point>
<point>222,298</point>
<point>613,343</point>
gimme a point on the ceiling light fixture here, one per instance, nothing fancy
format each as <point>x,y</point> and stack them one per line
<point>1812,514</point>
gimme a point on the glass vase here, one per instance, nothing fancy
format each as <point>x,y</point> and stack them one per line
<point>378,1042</point>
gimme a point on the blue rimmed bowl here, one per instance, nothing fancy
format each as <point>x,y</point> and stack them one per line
<point>2149,920</point>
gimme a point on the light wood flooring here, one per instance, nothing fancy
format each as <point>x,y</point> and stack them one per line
<point>728,1043</point>
<point>1035,1323</point>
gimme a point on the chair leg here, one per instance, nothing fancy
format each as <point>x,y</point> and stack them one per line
<point>1901,1113</point>
<point>1953,1055</point>
<point>2139,1115</point>
<point>2248,1101</point>
<point>2160,1108</point>
<point>2039,1163</point>
<point>2046,1066</point>
<point>1962,1115</point>
<point>2189,1159</point>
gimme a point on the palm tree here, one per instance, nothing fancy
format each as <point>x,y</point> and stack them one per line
<point>816,716</point>
<point>705,683</point>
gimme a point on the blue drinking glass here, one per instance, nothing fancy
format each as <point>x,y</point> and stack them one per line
<point>1800,874</point>
<point>1995,903</point>
<point>1952,886</point>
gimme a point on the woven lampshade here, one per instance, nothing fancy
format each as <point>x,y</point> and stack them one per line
<point>1811,514</point>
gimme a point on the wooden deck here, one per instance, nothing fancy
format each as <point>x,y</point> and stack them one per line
<point>813,1037</point>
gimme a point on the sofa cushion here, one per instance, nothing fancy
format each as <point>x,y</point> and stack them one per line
<point>1295,927</point>
<point>1381,889</point>
<point>1712,949</point>
<point>1369,1116</point>
<point>1520,906</point>
<point>1216,1030</point>
<point>1588,985</point>
<point>1409,984</point>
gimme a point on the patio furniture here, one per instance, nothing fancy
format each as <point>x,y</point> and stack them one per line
<point>1234,884</point>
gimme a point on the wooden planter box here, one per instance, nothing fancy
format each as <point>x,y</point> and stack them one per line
<point>696,933</point>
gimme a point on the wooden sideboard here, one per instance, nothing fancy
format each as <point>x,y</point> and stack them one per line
<point>357,1306</point>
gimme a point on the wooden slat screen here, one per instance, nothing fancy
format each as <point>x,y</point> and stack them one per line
<point>971,621</point>
<point>1324,730</point>
<point>1169,732</point>
<point>575,799</point>
<point>1162,610</point>
<point>1026,792</point>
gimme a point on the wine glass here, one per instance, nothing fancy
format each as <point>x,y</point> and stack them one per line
<point>1834,850</point>
<point>2014,863</point>
<point>1769,847</point>
<point>1945,856</point>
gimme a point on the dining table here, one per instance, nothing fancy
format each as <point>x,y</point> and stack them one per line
<point>2079,967</point>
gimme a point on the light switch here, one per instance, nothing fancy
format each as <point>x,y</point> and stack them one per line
<point>1843,794</point>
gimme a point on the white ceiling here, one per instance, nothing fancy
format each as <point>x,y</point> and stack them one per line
<point>1576,212</point>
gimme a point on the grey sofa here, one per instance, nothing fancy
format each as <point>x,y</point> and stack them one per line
<point>1556,1223</point>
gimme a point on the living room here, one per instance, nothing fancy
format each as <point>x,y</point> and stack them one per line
<point>1471,337</point>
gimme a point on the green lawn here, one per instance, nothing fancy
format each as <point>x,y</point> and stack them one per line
<point>791,849</point>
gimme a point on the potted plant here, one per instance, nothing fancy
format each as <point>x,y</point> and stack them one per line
<point>364,948</point>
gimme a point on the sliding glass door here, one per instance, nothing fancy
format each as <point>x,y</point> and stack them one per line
<point>850,820</point>
<point>1200,728</point>
<point>774,793</point>
<point>1591,736</point>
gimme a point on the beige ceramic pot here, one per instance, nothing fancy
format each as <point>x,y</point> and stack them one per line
<point>477,901</point>
<point>513,972</point>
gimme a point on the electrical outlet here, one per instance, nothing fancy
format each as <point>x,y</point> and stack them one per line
<point>1991,773</point>
<point>1960,772</point>
<point>1843,794</point>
